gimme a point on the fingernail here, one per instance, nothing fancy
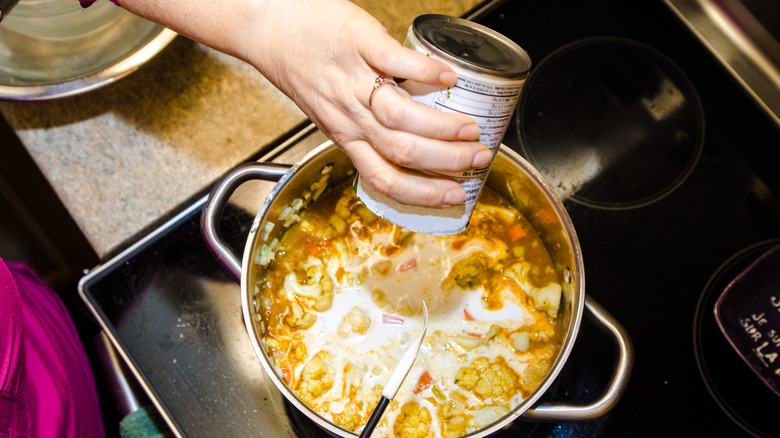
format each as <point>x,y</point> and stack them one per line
<point>482,158</point>
<point>469,132</point>
<point>454,196</point>
<point>448,79</point>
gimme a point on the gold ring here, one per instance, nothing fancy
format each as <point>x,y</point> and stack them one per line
<point>378,82</point>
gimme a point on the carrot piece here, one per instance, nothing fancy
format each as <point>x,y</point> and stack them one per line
<point>467,315</point>
<point>546,216</point>
<point>515,232</point>
<point>313,249</point>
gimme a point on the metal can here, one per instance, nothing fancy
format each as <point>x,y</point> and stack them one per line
<point>491,71</point>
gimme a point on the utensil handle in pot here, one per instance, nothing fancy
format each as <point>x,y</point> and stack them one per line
<point>563,412</point>
<point>217,200</point>
<point>6,6</point>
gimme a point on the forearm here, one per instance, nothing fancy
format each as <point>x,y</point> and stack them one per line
<point>225,25</point>
<point>275,36</point>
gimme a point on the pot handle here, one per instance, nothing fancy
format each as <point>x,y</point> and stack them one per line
<point>562,412</point>
<point>217,200</point>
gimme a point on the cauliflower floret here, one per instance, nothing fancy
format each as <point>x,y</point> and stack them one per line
<point>324,295</point>
<point>318,286</point>
<point>519,271</point>
<point>487,380</point>
<point>468,273</point>
<point>351,417</point>
<point>297,348</point>
<point>316,378</point>
<point>355,321</point>
<point>299,318</point>
<point>454,419</point>
<point>413,421</point>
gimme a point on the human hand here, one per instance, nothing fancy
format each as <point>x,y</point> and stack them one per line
<point>325,55</point>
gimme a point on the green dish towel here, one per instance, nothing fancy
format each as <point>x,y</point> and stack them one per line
<point>144,423</point>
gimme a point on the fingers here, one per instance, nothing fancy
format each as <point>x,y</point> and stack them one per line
<point>421,153</point>
<point>401,184</point>
<point>386,55</point>
<point>393,107</point>
<point>415,135</point>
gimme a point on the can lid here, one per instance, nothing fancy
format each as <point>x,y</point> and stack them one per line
<point>471,45</point>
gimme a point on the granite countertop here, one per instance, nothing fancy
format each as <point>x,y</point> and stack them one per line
<point>124,156</point>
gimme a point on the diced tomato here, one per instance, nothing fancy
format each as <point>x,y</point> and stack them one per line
<point>392,319</point>
<point>515,232</point>
<point>467,315</point>
<point>407,265</point>
<point>424,382</point>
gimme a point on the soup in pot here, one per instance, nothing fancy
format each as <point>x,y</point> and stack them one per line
<point>340,297</point>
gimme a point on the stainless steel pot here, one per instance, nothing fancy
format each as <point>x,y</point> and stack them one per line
<point>510,173</point>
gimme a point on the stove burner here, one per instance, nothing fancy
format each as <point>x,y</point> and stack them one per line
<point>610,123</point>
<point>735,388</point>
<point>304,427</point>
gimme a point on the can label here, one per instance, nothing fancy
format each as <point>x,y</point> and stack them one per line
<point>490,100</point>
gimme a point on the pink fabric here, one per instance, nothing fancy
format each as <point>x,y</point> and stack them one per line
<point>46,384</point>
<point>14,419</point>
<point>88,3</point>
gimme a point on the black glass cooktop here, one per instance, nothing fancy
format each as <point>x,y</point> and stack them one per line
<point>668,172</point>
